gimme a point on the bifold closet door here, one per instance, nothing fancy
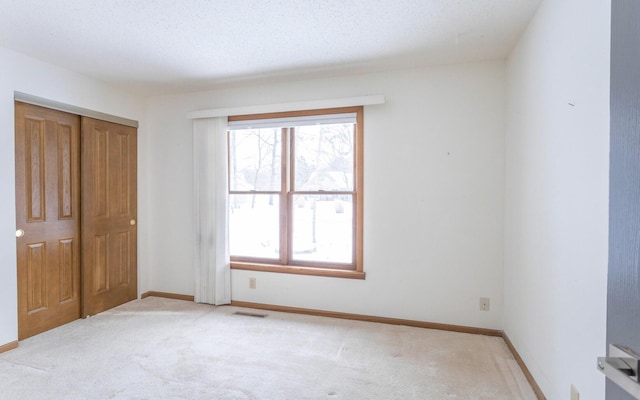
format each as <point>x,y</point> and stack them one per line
<point>47,217</point>
<point>109,213</point>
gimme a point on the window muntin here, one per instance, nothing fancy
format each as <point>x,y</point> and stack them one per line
<point>309,174</point>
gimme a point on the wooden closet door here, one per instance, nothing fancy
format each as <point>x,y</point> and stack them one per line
<point>47,216</point>
<point>109,233</point>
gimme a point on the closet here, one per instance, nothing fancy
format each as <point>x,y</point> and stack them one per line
<point>76,196</point>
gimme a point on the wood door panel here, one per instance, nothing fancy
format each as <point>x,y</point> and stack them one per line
<point>122,258</point>
<point>67,266</point>
<point>65,172</point>
<point>100,264</point>
<point>36,277</point>
<point>109,214</point>
<point>35,169</point>
<point>99,154</point>
<point>122,198</point>
<point>47,209</point>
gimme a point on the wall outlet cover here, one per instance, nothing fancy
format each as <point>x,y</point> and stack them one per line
<point>485,304</point>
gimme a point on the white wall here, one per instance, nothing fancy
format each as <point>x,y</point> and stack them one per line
<point>556,195</point>
<point>24,74</point>
<point>433,211</point>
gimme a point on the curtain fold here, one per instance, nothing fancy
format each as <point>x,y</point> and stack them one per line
<point>211,258</point>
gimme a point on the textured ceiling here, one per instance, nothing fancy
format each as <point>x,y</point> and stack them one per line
<point>167,46</point>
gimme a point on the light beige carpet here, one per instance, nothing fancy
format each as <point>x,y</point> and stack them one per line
<point>171,349</point>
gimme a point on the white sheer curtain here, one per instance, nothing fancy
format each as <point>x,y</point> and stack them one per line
<point>212,264</point>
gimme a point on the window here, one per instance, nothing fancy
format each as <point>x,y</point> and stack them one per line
<point>295,192</point>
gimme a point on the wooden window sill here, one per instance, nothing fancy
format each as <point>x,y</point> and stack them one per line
<point>289,269</point>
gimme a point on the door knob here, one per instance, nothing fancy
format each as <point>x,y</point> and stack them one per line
<point>19,233</point>
<point>132,222</point>
<point>622,368</point>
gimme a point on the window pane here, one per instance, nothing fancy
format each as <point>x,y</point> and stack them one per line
<point>324,157</point>
<point>323,228</point>
<point>254,159</point>
<point>254,225</point>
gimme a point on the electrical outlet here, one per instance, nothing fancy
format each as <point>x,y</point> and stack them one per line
<point>484,304</point>
<point>252,283</point>
<point>575,395</point>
